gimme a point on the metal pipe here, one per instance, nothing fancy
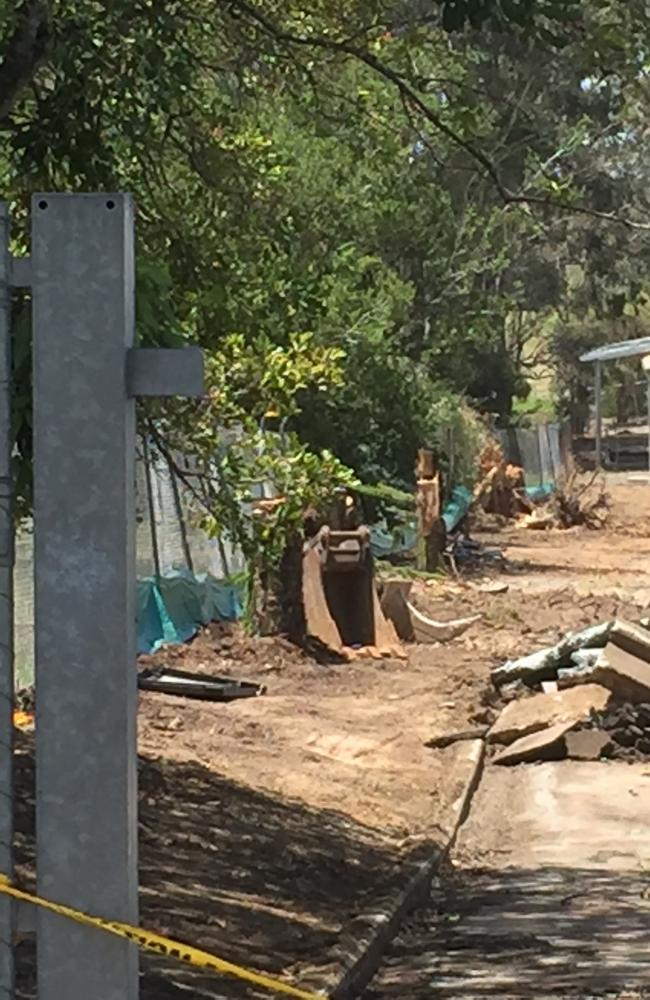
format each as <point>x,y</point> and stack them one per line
<point>152,509</point>
<point>599,416</point>
<point>180,516</point>
<point>648,399</point>
<point>6,616</point>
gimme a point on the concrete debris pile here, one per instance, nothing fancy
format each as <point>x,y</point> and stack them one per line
<point>593,700</point>
<point>545,664</point>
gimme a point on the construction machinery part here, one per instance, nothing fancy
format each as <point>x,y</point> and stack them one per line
<point>341,606</point>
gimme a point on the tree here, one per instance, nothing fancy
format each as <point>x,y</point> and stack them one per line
<point>361,183</point>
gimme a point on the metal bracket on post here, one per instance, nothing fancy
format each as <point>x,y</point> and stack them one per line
<point>86,373</point>
<point>162,372</point>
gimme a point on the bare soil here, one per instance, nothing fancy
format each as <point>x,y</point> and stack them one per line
<point>614,561</point>
<point>268,824</point>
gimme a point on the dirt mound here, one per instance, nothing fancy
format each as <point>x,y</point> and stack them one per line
<point>227,649</point>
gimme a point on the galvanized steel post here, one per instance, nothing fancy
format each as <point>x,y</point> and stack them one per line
<point>6,615</point>
<point>647,389</point>
<point>86,373</point>
<point>598,393</point>
<point>86,694</point>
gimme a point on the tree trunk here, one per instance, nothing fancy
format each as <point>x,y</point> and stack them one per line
<point>431,529</point>
<point>23,53</point>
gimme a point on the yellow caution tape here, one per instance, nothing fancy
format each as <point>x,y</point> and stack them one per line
<point>159,945</point>
<point>23,720</point>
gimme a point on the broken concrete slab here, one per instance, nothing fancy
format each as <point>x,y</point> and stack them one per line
<point>545,745</point>
<point>586,657</point>
<point>627,642</point>
<point>627,676</point>
<point>544,664</point>
<point>634,639</point>
<point>587,744</point>
<point>628,727</point>
<point>521,718</point>
<point>571,676</point>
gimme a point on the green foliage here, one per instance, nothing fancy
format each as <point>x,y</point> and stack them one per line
<point>352,209</point>
<point>546,18</point>
<point>237,460</point>
<point>534,409</point>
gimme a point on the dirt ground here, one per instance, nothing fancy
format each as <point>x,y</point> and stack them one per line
<point>267,825</point>
<point>613,561</point>
<point>547,893</point>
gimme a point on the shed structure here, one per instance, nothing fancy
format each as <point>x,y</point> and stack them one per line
<point>613,352</point>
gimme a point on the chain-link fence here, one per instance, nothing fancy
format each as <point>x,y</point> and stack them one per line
<point>168,543</point>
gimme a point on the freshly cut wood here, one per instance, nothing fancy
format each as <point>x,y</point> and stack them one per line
<point>545,745</point>
<point>531,715</point>
<point>428,630</point>
<point>537,520</point>
<point>494,587</point>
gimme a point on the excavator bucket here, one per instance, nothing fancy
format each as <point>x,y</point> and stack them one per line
<point>342,609</point>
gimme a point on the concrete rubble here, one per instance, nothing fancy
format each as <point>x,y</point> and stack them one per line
<point>602,707</point>
<point>626,729</point>
<point>544,663</point>
<point>626,675</point>
<point>587,744</point>
<point>531,715</point>
<point>545,745</point>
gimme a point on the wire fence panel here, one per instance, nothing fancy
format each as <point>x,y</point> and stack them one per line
<point>541,451</point>
<point>177,537</point>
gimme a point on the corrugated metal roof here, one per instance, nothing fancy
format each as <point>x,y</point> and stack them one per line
<point>622,349</point>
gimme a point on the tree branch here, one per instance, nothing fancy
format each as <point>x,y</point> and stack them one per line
<point>411,99</point>
<point>24,52</point>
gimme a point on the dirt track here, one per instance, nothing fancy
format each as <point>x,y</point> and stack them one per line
<point>615,561</point>
<point>267,825</point>
<point>549,893</point>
